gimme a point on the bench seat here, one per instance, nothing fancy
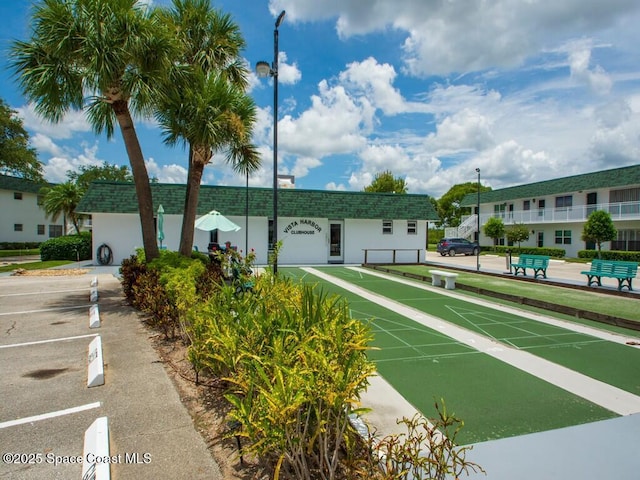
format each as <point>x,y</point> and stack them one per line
<point>538,263</point>
<point>449,279</point>
<point>623,272</point>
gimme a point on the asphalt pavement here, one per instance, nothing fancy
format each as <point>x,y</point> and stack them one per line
<point>46,406</point>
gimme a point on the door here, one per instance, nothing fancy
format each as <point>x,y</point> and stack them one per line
<point>541,239</point>
<point>592,202</point>
<point>336,240</point>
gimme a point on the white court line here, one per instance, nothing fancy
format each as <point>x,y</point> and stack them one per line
<point>26,344</point>
<point>45,416</point>
<point>567,325</point>
<point>47,292</point>
<point>54,309</point>
<point>608,396</point>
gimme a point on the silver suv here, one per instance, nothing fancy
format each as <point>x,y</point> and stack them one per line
<point>452,246</point>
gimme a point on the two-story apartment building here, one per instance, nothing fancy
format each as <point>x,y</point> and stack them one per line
<point>556,210</point>
<point>21,216</point>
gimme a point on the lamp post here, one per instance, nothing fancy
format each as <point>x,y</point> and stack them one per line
<point>264,70</point>
<point>478,223</point>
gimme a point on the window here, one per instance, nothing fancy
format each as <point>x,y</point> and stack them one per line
<point>526,205</point>
<point>17,227</point>
<point>40,200</point>
<point>40,229</point>
<point>498,210</point>
<point>541,205</point>
<point>563,237</point>
<point>412,227</point>
<point>387,227</point>
<point>17,195</point>
<point>55,231</point>
<point>564,202</point>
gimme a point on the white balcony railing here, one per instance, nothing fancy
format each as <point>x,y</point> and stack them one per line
<point>580,213</point>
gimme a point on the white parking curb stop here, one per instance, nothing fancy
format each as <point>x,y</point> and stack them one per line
<point>94,317</point>
<point>95,369</point>
<point>96,451</point>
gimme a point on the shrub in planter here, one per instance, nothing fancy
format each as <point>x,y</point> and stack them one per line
<point>69,247</point>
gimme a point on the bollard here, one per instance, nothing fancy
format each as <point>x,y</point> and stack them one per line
<point>508,259</point>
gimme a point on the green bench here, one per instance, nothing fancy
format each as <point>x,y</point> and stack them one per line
<point>538,263</point>
<point>624,272</point>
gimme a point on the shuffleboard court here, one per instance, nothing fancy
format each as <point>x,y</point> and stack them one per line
<point>613,363</point>
<point>494,399</point>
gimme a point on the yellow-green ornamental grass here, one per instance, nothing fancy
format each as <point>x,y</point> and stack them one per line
<point>296,363</point>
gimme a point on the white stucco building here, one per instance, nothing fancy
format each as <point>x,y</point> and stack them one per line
<point>555,211</point>
<point>315,227</point>
<point>21,215</point>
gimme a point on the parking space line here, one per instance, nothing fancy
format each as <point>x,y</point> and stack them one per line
<point>26,344</point>
<point>45,416</point>
<point>48,292</point>
<point>46,310</point>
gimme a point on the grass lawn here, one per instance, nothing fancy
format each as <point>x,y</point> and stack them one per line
<point>34,265</point>
<point>19,253</point>
<point>628,308</point>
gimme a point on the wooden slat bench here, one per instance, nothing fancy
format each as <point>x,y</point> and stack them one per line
<point>624,272</point>
<point>538,263</point>
<point>449,279</point>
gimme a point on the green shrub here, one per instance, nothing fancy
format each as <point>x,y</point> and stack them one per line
<point>611,255</point>
<point>68,247</point>
<point>549,251</point>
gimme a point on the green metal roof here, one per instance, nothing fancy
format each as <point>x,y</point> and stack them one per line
<point>120,197</point>
<point>18,184</point>
<point>617,177</point>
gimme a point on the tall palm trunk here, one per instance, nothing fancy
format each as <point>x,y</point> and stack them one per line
<point>140,178</point>
<point>196,168</point>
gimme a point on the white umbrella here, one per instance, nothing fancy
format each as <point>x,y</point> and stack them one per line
<point>215,220</point>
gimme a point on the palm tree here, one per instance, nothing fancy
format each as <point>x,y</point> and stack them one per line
<point>204,104</point>
<point>62,200</point>
<point>104,56</point>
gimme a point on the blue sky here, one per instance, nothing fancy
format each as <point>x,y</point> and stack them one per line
<point>429,89</point>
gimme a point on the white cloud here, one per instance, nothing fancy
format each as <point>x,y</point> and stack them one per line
<point>375,82</point>
<point>166,173</point>
<point>453,36</point>
<point>44,144</point>
<point>73,122</point>
<point>56,168</point>
<point>335,123</point>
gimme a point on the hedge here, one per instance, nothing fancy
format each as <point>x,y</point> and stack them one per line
<point>611,255</point>
<point>69,247</point>
<point>550,251</point>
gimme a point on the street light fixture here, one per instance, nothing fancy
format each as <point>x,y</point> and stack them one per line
<point>263,70</point>
<point>478,222</point>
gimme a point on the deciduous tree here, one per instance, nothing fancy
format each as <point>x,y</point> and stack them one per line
<point>599,228</point>
<point>17,158</point>
<point>386,182</point>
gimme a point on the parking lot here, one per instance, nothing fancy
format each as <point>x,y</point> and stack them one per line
<point>46,405</point>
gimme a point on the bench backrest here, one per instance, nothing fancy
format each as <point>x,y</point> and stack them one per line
<point>614,267</point>
<point>534,260</point>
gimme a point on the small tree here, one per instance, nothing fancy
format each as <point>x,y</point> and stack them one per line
<point>386,182</point>
<point>494,228</point>
<point>518,233</point>
<point>599,228</point>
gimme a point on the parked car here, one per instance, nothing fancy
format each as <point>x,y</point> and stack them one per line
<point>452,246</point>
